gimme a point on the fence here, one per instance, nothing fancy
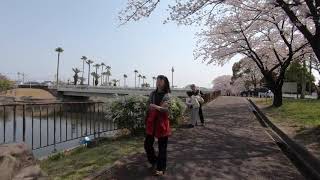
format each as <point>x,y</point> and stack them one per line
<point>211,96</point>
<point>43,125</point>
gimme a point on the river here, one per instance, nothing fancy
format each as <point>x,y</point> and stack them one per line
<point>72,122</point>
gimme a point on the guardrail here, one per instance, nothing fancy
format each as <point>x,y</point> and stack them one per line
<point>306,162</point>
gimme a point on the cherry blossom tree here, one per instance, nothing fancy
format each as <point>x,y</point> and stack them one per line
<point>222,83</point>
<point>247,71</point>
<point>255,29</point>
<point>305,15</point>
<point>238,85</point>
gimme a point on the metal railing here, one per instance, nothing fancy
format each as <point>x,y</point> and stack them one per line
<point>48,124</point>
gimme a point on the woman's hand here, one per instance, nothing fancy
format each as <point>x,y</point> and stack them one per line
<point>153,106</point>
<point>163,107</point>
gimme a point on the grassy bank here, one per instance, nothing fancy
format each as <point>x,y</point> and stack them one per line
<point>304,113</point>
<point>83,161</point>
<point>298,118</point>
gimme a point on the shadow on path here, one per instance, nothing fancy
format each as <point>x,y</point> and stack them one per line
<point>232,145</point>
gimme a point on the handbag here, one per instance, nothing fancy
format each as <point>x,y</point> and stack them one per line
<point>200,99</point>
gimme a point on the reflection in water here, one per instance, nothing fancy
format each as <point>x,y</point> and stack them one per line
<point>49,125</point>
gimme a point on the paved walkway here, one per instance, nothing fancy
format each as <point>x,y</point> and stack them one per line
<point>232,145</point>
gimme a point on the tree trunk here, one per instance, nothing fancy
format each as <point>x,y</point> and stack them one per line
<point>303,81</point>
<point>276,88</point>
<point>101,75</point>
<point>318,91</point>
<point>89,76</point>
<point>310,79</point>
<point>135,80</point>
<point>316,47</point>
<point>82,79</point>
<point>277,99</point>
<point>75,79</point>
<point>58,69</point>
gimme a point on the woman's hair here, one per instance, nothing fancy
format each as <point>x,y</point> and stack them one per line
<point>166,87</point>
<point>189,93</point>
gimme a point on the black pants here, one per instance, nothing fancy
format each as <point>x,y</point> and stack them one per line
<point>161,159</point>
<point>200,114</point>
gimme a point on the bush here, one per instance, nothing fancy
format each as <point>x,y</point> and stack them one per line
<point>5,83</point>
<point>176,110</point>
<point>129,112</point>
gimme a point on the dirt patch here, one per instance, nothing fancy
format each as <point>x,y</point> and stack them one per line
<point>310,138</point>
<point>26,95</point>
<point>29,92</point>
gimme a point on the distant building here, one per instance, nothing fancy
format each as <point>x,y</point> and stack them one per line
<point>32,83</point>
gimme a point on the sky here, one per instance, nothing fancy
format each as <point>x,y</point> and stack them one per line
<point>31,30</point>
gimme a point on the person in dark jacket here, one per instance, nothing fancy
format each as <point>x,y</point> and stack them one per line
<point>158,126</point>
<point>195,92</point>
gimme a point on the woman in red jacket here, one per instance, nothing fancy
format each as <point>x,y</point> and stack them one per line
<point>157,125</point>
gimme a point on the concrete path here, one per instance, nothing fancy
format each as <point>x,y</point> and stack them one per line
<point>232,145</point>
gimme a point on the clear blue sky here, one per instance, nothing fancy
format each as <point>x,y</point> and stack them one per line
<point>30,30</point>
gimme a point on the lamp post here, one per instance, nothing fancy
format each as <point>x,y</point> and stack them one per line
<point>172,71</point>
<point>154,78</point>
<point>135,78</point>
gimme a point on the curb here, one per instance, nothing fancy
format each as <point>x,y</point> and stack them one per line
<point>306,163</point>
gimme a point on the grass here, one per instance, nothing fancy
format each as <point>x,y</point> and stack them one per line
<point>300,119</point>
<point>83,161</point>
<point>300,112</point>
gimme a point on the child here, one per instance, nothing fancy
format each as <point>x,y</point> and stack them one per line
<point>193,103</point>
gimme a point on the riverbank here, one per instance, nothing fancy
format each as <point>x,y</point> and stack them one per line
<point>26,95</point>
<point>84,161</point>
<point>300,119</point>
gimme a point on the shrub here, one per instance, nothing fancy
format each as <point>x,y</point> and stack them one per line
<point>129,112</point>
<point>176,110</point>
<point>5,83</point>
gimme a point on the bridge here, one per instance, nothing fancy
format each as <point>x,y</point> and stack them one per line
<point>107,91</point>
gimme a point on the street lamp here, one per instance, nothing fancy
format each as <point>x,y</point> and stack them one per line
<point>172,71</point>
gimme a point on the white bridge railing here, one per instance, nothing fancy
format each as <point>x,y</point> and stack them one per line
<point>120,88</point>
<point>87,90</point>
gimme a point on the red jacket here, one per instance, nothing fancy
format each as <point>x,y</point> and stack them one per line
<point>157,123</point>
